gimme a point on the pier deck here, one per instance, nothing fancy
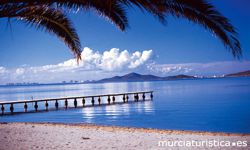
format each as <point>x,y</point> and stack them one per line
<point>100,99</point>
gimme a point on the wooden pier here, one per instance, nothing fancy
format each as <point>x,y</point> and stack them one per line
<point>100,99</point>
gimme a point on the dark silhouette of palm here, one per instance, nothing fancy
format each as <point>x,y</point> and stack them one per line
<point>50,15</point>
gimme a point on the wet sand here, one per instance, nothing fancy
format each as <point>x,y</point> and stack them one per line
<point>24,136</point>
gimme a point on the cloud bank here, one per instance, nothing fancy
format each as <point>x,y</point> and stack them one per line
<point>92,66</point>
<point>112,60</point>
<point>96,65</point>
<point>200,69</point>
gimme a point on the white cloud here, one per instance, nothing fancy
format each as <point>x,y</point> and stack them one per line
<point>211,68</point>
<point>20,71</point>
<point>139,58</point>
<point>112,60</point>
<point>2,70</point>
<point>97,65</point>
<point>92,66</point>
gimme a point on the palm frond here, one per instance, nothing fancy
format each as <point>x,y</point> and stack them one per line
<point>110,9</point>
<point>154,7</point>
<point>49,19</point>
<point>198,11</point>
<point>205,14</point>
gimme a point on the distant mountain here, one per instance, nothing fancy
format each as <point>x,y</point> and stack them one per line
<point>239,74</point>
<point>135,77</point>
<point>181,76</point>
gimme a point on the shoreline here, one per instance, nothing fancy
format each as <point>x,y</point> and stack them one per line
<point>90,136</point>
<point>177,79</point>
<point>124,128</point>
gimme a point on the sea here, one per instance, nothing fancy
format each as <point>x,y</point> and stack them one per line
<point>216,105</point>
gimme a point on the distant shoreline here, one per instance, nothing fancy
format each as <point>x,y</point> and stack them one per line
<point>46,84</point>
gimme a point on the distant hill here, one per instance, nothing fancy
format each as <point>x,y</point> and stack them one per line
<point>135,77</point>
<point>239,74</point>
<point>181,76</point>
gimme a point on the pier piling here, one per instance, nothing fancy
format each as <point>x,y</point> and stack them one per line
<point>124,98</point>
<point>151,95</point>
<point>83,102</point>
<point>56,104</point>
<point>109,100</point>
<point>46,106</point>
<point>36,106</point>
<point>127,97</point>
<point>11,108</point>
<point>25,107</point>
<point>113,99</point>
<point>75,102</point>
<point>143,96</point>
<point>2,109</point>
<point>93,101</point>
<point>99,100</point>
<point>66,104</point>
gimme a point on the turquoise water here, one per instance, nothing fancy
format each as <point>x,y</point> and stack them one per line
<point>221,105</point>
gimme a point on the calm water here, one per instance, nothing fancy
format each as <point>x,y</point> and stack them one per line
<point>221,105</point>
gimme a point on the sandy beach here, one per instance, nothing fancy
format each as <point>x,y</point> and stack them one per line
<point>23,136</point>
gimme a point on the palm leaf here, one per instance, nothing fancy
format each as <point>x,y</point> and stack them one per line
<point>198,11</point>
<point>49,19</point>
<point>203,13</point>
<point>110,9</point>
<point>154,7</point>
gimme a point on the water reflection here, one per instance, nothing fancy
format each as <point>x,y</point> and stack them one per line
<point>112,111</point>
<point>148,107</point>
<point>116,111</point>
<point>88,114</point>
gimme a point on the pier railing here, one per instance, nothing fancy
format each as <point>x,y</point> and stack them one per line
<point>93,100</point>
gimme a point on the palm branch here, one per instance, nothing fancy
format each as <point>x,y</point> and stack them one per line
<point>110,9</point>
<point>197,11</point>
<point>203,13</point>
<point>50,19</point>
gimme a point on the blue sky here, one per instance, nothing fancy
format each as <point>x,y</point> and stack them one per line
<point>178,47</point>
